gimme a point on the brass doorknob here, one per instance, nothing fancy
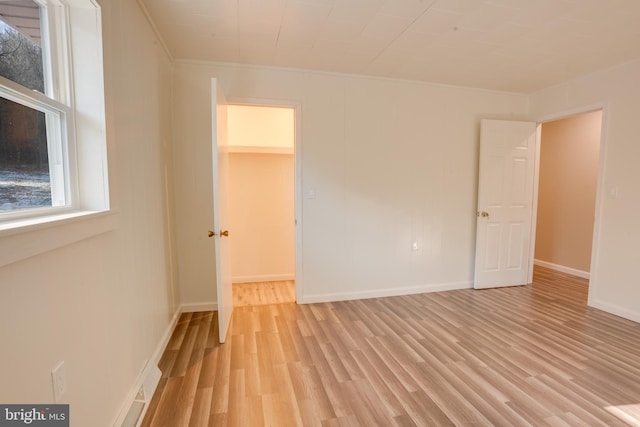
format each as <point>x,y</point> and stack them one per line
<point>224,233</point>
<point>211,233</point>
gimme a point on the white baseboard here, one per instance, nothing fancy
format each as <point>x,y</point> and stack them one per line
<point>263,278</point>
<point>148,378</point>
<point>198,306</point>
<point>146,383</point>
<point>391,292</point>
<point>563,269</point>
<point>616,310</point>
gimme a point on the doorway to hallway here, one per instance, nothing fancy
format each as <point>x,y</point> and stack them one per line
<point>568,180</point>
<point>262,203</point>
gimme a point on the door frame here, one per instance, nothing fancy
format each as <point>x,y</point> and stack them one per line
<point>600,191</point>
<point>297,161</point>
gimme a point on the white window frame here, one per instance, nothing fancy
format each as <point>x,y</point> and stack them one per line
<point>75,93</point>
<point>56,104</point>
<point>59,146</point>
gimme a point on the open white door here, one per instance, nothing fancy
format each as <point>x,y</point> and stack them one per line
<point>220,163</point>
<point>505,203</point>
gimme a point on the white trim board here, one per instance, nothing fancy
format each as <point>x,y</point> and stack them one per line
<point>151,366</point>
<point>195,307</point>
<point>563,269</point>
<point>245,149</point>
<point>155,30</point>
<point>263,278</point>
<point>148,371</point>
<point>392,292</point>
<point>238,66</point>
<point>634,316</point>
<point>28,237</point>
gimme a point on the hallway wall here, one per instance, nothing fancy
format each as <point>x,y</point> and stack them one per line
<point>261,212</point>
<point>569,155</point>
<point>613,285</point>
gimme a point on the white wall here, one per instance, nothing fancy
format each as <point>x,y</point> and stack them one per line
<point>389,162</point>
<point>261,215</point>
<point>257,126</point>
<point>102,304</point>
<point>569,154</point>
<point>614,283</point>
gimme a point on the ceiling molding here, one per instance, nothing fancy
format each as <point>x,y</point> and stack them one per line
<point>157,33</point>
<point>507,45</point>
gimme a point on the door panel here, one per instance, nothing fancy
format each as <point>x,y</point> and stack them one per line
<point>492,253</point>
<point>505,203</point>
<point>516,236</point>
<point>220,161</point>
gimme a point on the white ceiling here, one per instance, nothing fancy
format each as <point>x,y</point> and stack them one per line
<point>513,45</point>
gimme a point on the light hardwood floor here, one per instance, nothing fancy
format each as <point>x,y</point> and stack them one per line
<point>263,293</point>
<point>532,355</point>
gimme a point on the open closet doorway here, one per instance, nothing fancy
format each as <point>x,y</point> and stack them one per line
<point>567,189</point>
<point>261,203</point>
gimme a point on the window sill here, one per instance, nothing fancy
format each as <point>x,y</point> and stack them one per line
<point>24,238</point>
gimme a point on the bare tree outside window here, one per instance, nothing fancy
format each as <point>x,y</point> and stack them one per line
<point>24,165</point>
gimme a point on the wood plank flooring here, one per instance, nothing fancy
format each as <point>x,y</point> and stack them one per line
<point>556,285</point>
<point>531,355</point>
<point>262,293</point>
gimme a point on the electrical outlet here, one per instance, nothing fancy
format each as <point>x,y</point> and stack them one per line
<point>414,245</point>
<point>59,382</point>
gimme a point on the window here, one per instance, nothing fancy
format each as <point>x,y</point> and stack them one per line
<point>52,130</point>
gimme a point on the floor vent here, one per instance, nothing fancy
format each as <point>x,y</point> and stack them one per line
<point>138,407</point>
<point>134,415</point>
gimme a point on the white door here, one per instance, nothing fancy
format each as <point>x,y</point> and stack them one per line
<point>220,221</point>
<point>505,203</point>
